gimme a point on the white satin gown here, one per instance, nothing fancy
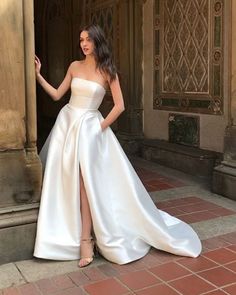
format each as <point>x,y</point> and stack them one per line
<point>126,222</point>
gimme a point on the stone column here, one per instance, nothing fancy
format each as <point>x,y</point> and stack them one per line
<point>233,67</point>
<point>224,176</point>
<point>20,168</point>
<point>32,160</point>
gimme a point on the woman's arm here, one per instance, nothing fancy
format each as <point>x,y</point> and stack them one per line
<point>56,94</point>
<point>118,104</point>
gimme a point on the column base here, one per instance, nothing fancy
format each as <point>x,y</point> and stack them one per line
<point>17,231</point>
<point>224,176</point>
<point>224,180</point>
<point>20,183</point>
<point>20,177</point>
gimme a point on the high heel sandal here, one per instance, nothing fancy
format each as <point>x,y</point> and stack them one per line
<point>86,259</point>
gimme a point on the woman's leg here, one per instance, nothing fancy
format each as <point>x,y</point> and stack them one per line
<point>86,243</point>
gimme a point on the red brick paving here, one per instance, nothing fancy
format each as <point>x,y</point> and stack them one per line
<point>196,265</point>
<point>46,286</point>
<point>217,292</point>
<point>213,273</point>
<point>219,276</point>
<point>231,266</point>
<point>106,287</point>
<point>122,269</point>
<point>108,270</point>
<point>139,279</point>
<point>162,257</point>
<point>71,291</point>
<point>221,256</point>
<point>154,181</point>
<point>197,217</point>
<point>189,209</point>
<point>94,274</point>
<point>227,240</point>
<point>230,238</point>
<point>62,282</point>
<point>29,289</point>
<point>232,248</point>
<point>149,260</point>
<point>231,289</point>
<point>214,243</point>
<point>158,289</point>
<point>169,271</point>
<point>193,209</point>
<point>192,285</point>
<point>78,278</point>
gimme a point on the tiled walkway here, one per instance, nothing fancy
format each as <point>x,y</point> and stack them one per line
<point>158,273</point>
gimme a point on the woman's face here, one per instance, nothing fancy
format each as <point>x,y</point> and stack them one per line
<point>86,43</point>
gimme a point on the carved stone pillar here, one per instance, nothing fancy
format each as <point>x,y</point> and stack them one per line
<point>20,168</point>
<point>224,176</point>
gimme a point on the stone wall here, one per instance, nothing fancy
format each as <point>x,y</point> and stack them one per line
<point>211,127</point>
<point>20,168</point>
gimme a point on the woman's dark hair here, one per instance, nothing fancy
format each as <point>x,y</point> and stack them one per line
<point>103,54</point>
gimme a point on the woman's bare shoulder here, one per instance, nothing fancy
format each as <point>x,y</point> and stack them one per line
<point>76,63</point>
<point>75,67</point>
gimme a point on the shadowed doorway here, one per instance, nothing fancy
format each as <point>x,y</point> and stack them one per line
<point>57,24</point>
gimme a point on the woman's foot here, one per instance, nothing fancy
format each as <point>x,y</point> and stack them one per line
<point>86,252</point>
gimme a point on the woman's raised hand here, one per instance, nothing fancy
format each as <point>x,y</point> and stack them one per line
<point>37,65</point>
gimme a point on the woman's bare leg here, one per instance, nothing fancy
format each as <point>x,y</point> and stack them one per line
<point>86,245</point>
<point>85,211</point>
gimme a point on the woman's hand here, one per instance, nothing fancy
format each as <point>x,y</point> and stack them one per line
<point>55,94</point>
<point>118,107</point>
<point>37,65</point>
<point>102,127</point>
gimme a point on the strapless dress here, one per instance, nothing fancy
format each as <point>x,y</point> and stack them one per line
<point>126,222</point>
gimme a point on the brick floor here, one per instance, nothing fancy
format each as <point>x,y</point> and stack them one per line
<point>193,209</point>
<point>231,289</point>
<point>213,273</point>
<point>170,271</point>
<point>158,273</point>
<point>106,287</point>
<point>191,284</point>
<point>139,279</point>
<point>155,182</point>
<point>161,289</point>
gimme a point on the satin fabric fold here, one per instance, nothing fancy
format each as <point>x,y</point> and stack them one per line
<point>126,222</point>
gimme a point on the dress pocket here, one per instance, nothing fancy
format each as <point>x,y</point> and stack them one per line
<point>99,125</point>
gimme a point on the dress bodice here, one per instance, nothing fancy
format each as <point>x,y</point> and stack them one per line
<point>86,94</point>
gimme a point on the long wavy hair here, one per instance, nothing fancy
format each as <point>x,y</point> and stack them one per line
<point>102,52</point>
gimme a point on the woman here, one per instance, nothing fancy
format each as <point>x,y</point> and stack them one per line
<point>89,184</point>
